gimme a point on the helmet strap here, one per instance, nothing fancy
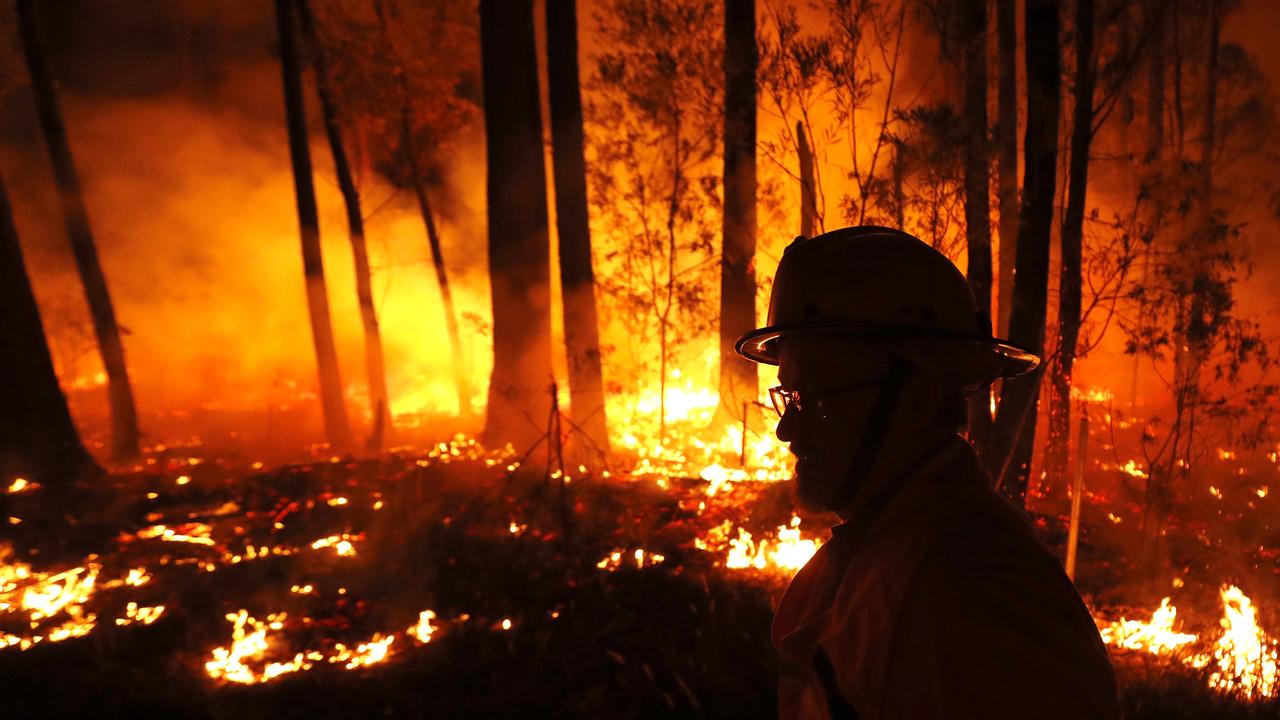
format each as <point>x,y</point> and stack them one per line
<point>873,438</point>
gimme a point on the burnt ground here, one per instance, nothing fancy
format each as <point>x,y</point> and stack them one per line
<point>683,638</point>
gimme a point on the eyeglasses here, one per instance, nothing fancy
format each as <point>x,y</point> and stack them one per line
<point>784,399</point>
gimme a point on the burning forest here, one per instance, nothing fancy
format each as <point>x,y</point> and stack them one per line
<point>381,357</point>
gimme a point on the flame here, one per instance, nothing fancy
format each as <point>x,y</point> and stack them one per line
<point>788,551</point>
<point>1244,658</point>
<point>642,558</point>
<point>1156,636</point>
<point>138,614</point>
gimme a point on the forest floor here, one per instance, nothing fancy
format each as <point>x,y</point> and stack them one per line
<point>541,604</point>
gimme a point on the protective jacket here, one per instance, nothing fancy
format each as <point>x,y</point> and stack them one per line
<point>943,604</point>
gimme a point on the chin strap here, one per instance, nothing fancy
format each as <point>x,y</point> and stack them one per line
<point>873,437</point>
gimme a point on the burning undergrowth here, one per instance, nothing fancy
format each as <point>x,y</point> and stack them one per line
<point>459,581</point>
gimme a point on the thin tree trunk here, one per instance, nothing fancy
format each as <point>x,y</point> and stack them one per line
<point>519,248</point>
<point>1007,144</point>
<point>461,379</point>
<point>38,440</point>
<point>124,414</point>
<point>336,426</point>
<point>808,189</point>
<point>977,192</point>
<point>1072,239</point>
<point>738,379</point>
<point>1013,434</point>
<point>375,368</point>
<point>577,276</point>
<point>1156,25</point>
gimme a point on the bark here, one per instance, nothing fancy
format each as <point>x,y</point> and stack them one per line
<point>977,184</point>
<point>1007,144</point>
<point>1013,434</point>
<point>375,368</point>
<point>808,189</point>
<point>124,414</point>
<point>577,276</point>
<point>1072,239</point>
<point>38,440</point>
<point>519,248</point>
<point>738,380</point>
<point>336,426</point>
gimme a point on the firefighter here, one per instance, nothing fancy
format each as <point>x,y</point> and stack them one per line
<point>934,598</point>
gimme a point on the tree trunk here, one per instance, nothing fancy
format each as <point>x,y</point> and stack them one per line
<point>124,414</point>
<point>38,440</point>
<point>1007,144</point>
<point>577,277</point>
<point>1156,25</point>
<point>808,188</point>
<point>461,378</point>
<point>519,248</point>
<point>375,368</point>
<point>1072,239</point>
<point>336,427</point>
<point>738,379</point>
<point>977,184</point>
<point>1013,434</point>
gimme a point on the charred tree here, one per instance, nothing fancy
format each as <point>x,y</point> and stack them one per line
<point>519,248</point>
<point>124,413</point>
<point>1071,236</point>
<point>577,276</point>
<point>1007,152</point>
<point>417,178</point>
<point>38,440</point>
<point>977,184</point>
<point>738,380</point>
<point>1013,434</point>
<point>336,426</point>
<point>375,368</point>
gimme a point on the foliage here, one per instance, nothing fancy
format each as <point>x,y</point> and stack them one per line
<point>653,116</point>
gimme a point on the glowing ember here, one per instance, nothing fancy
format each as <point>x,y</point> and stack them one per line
<point>423,629</point>
<point>641,557</point>
<point>194,533</point>
<point>342,544</point>
<point>138,614</point>
<point>20,485</point>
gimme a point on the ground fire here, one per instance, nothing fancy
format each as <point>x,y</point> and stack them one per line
<point>489,449</point>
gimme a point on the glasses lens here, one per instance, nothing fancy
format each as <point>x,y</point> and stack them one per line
<point>778,397</point>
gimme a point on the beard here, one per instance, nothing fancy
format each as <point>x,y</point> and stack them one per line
<point>820,483</point>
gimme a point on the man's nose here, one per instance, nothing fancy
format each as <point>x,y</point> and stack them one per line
<point>788,425</point>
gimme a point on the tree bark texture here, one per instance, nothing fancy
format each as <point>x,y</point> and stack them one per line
<point>375,367</point>
<point>124,413</point>
<point>519,248</point>
<point>336,426</point>
<point>38,440</point>
<point>738,379</point>
<point>1072,238</point>
<point>1007,149</point>
<point>577,276</point>
<point>977,188</point>
<point>1013,434</point>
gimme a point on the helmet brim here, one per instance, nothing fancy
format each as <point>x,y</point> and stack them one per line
<point>973,359</point>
